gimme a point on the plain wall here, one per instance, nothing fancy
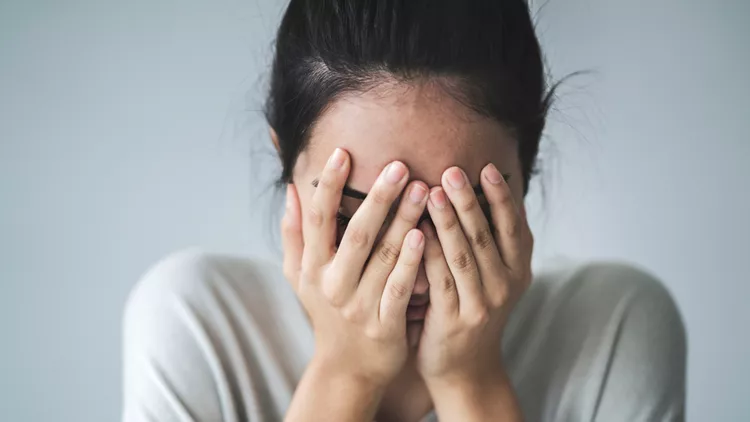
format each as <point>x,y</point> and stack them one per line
<point>128,130</point>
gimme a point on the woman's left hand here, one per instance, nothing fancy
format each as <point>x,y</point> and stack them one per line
<point>476,272</point>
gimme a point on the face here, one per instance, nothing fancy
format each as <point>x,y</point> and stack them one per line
<point>417,124</point>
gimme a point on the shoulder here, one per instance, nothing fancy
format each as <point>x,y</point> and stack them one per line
<point>607,289</point>
<point>607,277</point>
<point>611,330</point>
<point>193,286</point>
<point>193,283</point>
<point>602,282</point>
<point>187,272</point>
<point>198,328</point>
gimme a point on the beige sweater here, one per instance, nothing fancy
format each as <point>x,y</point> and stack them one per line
<point>219,338</point>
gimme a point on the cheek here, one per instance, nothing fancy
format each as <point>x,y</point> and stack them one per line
<point>305,195</point>
<point>516,190</point>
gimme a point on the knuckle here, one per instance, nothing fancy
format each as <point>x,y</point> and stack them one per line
<point>358,237</point>
<point>468,206</point>
<point>513,228</point>
<point>482,239</point>
<point>374,332</point>
<point>408,216</point>
<point>397,291</point>
<point>328,182</point>
<point>315,216</point>
<point>478,318</point>
<point>451,224</point>
<point>388,253</point>
<point>355,312</point>
<point>333,295</point>
<point>448,284</point>
<point>462,261</point>
<point>306,275</point>
<point>379,197</point>
<point>355,309</point>
<point>501,294</point>
<point>411,260</point>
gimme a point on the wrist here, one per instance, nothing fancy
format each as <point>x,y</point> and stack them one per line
<point>331,369</point>
<point>487,396</point>
<point>331,393</point>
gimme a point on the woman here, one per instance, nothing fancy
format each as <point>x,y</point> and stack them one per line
<point>408,133</point>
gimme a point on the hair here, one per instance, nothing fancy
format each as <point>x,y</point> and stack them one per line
<point>484,53</point>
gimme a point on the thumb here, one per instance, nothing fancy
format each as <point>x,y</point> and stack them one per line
<point>291,236</point>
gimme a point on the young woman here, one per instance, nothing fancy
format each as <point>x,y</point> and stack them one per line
<point>407,132</point>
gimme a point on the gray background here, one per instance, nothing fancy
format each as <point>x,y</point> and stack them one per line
<point>128,130</point>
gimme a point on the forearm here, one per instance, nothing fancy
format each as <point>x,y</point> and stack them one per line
<point>325,394</point>
<point>491,399</point>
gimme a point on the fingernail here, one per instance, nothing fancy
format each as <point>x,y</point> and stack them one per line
<point>493,176</point>
<point>417,194</point>
<point>415,239</point>
<point>456,178</point>
<point>438,199</point>
<point>337,159</point>
<point>395,172</point>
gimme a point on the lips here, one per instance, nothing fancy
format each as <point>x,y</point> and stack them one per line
<point>417,308</point>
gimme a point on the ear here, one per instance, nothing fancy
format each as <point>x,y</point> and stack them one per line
<point>274,138</point>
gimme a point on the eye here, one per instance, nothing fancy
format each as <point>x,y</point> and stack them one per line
<point>342,220</point>
<point>488,214</point>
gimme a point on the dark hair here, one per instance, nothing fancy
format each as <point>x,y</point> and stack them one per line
<point>483,52</point>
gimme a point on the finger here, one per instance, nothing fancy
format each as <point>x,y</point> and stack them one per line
<point>291,236</point>
<point>443,293</point>
<point>414,332</point>
<point>456,248</point>
<point>510,226</point>
<point>400,284</point>
<point>366,223</point>
<point>476,228</point>
<point>319,230</point>
<point>387,251</point>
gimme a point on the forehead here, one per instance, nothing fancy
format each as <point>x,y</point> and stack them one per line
<point>419,124</point>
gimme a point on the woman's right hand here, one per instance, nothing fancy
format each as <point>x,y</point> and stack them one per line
<point>356,297</point>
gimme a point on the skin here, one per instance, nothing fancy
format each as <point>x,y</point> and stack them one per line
<point>374,356</point>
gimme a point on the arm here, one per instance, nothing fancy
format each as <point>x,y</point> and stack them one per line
<point>489,400</point>
<point>357,306</point>
<point>476,273</point>
<point>326,394</point>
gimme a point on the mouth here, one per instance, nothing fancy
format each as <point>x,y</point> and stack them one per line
<point>417,308</point>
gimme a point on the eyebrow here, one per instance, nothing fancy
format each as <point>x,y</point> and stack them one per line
<point>353,193</point>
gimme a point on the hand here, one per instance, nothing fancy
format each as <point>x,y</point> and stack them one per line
<point>476,272</point>
<point>356,300</point>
